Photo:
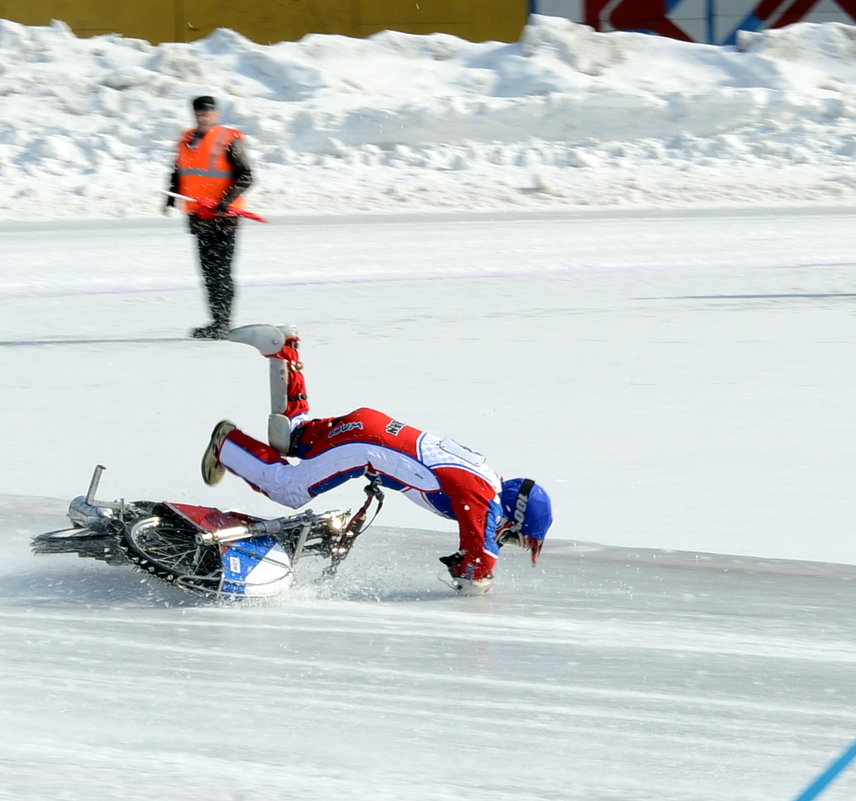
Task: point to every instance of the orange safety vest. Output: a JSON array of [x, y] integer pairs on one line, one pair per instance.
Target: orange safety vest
[[204, 171]]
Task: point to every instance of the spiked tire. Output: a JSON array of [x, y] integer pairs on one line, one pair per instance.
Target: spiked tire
[[165, 547]]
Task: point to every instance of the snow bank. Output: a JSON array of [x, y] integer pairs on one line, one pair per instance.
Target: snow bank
[[565, 117]]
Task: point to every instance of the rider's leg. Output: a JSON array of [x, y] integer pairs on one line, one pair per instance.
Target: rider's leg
[[292, 485], [288, 400], [293, 400]]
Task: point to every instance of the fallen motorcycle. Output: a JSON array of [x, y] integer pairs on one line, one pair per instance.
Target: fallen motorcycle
[[204, 551]]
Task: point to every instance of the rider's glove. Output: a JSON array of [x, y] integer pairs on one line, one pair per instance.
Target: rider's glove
[[461, 573], [461, 565], [223, 207], [453, 563]]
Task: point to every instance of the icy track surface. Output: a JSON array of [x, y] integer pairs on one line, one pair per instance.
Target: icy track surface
[[678, 382], [608, 675]]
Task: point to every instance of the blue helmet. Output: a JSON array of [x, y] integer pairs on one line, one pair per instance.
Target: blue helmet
[[527, 506]]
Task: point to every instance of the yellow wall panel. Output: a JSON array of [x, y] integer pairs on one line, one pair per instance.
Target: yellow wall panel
[[274, 20], [478, 20], [153, 19], [393, 12]]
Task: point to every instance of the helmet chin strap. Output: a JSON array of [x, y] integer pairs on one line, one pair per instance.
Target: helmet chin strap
[[519, 514], [505, 534]]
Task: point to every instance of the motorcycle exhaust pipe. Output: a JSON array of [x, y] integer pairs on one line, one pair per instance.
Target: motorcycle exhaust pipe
[[82, 513], [93, 484], [223, 535]]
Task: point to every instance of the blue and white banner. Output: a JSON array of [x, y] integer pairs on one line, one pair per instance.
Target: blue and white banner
[[708, 21]]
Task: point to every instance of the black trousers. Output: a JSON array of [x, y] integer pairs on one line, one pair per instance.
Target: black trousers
[[216, 244]]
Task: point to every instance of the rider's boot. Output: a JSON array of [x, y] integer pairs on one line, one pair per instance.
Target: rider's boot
[[267, 339], [212, 470], [288, 402]]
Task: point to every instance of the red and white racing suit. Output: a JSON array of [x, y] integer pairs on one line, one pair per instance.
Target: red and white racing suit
[[440, 475]]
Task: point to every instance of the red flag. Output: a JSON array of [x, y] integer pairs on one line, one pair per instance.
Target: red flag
[[206, 209], [244, 213]]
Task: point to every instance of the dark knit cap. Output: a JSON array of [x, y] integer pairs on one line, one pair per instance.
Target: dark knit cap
[[204, 103]]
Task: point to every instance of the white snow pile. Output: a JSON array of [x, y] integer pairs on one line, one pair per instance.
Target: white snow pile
[[565, 117]]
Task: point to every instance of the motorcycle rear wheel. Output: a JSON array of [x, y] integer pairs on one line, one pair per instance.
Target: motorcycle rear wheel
[[165, 547]]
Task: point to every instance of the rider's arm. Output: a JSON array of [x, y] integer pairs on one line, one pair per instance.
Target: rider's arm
[[477, 533]]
